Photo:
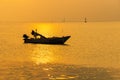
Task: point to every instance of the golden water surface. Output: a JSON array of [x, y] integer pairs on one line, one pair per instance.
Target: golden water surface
[[90, 53]]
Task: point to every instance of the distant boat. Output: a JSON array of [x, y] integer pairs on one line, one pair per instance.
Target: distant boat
[[43, 39], [85, 20]]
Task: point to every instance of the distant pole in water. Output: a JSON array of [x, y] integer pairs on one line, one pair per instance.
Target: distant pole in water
[[85, 20], [64, 19]]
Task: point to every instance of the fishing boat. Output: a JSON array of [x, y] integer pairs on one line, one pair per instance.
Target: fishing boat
[[44, 40]]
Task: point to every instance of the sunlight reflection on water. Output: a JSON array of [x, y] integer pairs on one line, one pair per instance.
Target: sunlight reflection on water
[[42, 56]]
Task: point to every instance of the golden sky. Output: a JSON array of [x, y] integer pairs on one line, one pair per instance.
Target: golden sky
[[56, 10]]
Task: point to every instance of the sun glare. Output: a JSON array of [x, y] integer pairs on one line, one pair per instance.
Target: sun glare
[[45, 28]]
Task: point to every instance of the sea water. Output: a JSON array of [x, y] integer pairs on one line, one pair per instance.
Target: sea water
[[92, 52]]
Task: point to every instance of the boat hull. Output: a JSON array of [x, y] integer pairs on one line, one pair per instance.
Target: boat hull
[[54, 40]]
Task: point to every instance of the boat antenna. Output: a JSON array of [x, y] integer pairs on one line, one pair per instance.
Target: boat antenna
[[85, 20]]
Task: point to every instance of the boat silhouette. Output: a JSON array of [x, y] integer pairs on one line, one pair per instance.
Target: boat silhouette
[[44, 40]]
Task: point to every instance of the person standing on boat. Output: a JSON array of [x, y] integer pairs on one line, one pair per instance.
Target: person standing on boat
[[34, 33]]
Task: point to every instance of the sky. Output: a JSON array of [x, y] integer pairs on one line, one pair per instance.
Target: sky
[[57, 10]]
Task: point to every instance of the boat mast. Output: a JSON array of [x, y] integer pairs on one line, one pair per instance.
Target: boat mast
[[36, 30]]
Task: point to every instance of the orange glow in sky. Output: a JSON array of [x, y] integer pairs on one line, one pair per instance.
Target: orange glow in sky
[[56, 10]]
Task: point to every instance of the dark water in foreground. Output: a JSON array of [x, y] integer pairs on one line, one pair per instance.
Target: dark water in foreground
[[28, 71], [92, 53]]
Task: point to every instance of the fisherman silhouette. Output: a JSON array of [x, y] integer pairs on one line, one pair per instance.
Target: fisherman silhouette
[[25, 36], [35, 34]]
